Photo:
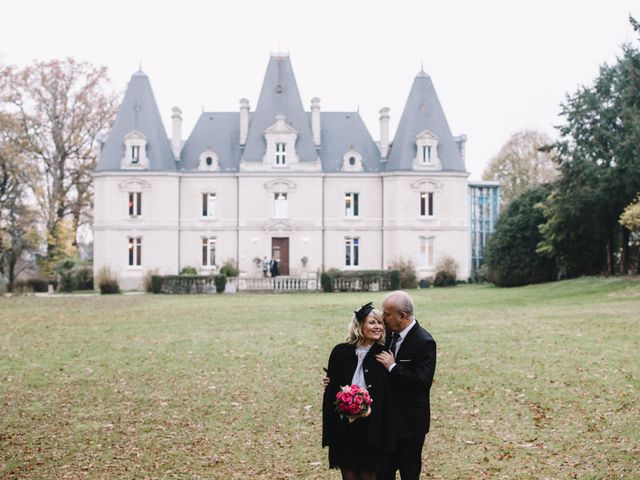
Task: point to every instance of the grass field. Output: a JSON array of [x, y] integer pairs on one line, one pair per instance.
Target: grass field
[[532, 382]]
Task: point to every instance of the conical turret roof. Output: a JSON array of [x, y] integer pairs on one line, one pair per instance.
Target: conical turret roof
[[279, 95], [138, 112], [423, 112]]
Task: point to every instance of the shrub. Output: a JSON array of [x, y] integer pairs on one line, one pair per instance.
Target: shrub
[[107, 282], [83, 278], [221, 283], [39, 285], [67, 282], [155, 284], [148, 280], [394, 278], [326, 281], [424, 283], [408, 276], [228, 268], [444, 279], [21, 287], [189, 271]]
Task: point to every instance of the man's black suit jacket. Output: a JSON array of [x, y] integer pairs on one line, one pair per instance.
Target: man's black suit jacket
[[411, 380]]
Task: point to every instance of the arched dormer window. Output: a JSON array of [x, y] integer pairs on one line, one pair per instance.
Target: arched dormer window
[[135, 151], [352, 161], [208, 161], [281, 144], [427, 151]]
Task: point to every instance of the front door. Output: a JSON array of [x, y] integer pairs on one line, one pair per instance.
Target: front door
[[280, 251]]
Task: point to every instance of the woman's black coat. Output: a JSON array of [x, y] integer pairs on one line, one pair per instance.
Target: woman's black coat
[[342, 365]]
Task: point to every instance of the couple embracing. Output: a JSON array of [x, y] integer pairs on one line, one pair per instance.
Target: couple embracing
[[387, 373]]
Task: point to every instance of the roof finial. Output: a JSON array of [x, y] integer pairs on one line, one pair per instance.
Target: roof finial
[[421, 66], [140, 64]]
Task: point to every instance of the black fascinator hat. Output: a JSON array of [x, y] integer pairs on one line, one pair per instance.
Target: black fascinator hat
[[364, 310]]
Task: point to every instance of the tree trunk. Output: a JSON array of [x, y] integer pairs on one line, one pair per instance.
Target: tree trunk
[[624, 252]]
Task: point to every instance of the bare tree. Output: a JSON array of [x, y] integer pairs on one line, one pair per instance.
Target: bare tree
[[521, 163], [62, 107]]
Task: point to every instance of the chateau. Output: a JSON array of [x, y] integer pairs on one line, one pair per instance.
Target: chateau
[[310, 188]]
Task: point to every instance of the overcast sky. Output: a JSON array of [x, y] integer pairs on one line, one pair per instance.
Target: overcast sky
[[498, 66]]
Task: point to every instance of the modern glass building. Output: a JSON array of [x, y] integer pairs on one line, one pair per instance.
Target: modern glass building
[[485, 208]]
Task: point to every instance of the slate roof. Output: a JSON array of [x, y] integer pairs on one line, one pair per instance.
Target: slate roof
[[279, 95], [423, 112], [219, 131], [342, 131], [138, 111]]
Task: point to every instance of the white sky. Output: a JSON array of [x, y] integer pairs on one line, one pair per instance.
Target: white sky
[[498, 66]]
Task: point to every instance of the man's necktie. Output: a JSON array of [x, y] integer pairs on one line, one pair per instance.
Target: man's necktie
[[395, 336]]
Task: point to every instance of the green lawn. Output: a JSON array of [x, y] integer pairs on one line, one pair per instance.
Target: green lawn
[[532, 382]]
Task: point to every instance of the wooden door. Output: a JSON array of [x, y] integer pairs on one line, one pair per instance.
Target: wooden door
[[280, 251]]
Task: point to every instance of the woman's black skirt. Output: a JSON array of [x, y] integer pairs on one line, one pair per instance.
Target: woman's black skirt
[[351, 451]]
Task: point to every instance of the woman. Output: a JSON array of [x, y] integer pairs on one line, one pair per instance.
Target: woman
[[359, 447]]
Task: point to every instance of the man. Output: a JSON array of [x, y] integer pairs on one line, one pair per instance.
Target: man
[[411, 365]]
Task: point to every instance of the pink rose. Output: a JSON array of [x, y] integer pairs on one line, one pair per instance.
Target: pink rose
[[343, 407], [355, 388], [347, 397], [357, 399], [354, 409], [339, 396], [367, 397]]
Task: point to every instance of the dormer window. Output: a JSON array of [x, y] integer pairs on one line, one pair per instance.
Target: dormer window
[[352, 161], [281, 153], [208, 161], [135, 151], [281, 144], [427, 151], [426, 154]]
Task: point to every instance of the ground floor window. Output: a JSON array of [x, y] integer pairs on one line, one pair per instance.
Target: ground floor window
[[426, 251], [352, 251], [209, 252], [135, 251]]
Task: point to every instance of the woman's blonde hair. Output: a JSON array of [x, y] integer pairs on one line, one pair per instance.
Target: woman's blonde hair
[[355, 336]]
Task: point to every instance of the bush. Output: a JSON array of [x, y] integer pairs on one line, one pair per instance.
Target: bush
[[408, 276], [148, 280], [394, 277], [189, 271], [444, 279], [228, 269], [107, 283], [511, 256], [326, 281], [155, 284], [21, 287], [83, 278], [39, 285], [221, 283], [67, 282], [424, 283]]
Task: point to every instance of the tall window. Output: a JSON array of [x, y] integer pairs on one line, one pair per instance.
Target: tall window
[[280, 209], [281, 153], [209, 252], [135, 204], [351, 204], [426, 251], [135, 251], [426, 204], [426, 154], [208, 204], [135, 153], [352, 251]]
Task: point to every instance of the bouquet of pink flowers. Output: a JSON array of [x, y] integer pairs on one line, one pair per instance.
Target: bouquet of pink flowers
[[354, 402]]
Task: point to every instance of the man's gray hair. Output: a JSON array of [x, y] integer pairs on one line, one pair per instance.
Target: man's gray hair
[[402, 302]]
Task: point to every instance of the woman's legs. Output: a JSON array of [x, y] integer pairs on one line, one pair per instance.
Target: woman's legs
[[355, 475]]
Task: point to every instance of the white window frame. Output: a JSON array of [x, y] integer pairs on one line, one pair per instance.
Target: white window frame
[[352, 251], [134, 203], [427, 204], [352, 204], [135, 154], [208, 207], [134, 252], [427, 251], [281, 153], [280, 205], [209, 244]]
